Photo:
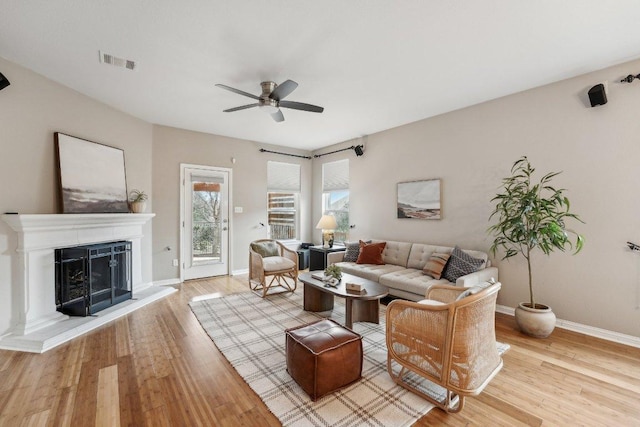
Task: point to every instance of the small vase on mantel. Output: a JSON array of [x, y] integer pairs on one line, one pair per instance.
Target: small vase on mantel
[[138, 207], [137, 201]]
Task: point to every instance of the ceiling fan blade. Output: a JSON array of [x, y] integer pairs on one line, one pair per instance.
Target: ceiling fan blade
[[242, 107], [283, 90], [278, 116], [301, 106], [238, 91]]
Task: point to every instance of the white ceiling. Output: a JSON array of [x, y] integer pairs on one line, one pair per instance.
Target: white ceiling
[[371, 64]]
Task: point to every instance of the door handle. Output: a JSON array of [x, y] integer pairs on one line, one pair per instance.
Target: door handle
[[224, 228]]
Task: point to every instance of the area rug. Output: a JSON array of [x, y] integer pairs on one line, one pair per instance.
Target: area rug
[[249, 332]]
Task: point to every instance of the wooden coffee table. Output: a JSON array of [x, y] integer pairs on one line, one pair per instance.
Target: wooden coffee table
[[360, 306]]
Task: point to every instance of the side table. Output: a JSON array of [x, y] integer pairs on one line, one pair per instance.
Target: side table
[[318, 256]]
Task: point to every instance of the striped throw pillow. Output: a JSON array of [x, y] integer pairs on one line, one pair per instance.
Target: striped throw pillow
[[435, 265]]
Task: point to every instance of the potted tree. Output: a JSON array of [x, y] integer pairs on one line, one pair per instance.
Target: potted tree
[[532, 216], [137, 201]]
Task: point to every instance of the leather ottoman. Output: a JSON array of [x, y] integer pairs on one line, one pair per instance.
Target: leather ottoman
[[323, 356]]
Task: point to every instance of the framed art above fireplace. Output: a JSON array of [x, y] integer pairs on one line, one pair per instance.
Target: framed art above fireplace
[[91, 176]]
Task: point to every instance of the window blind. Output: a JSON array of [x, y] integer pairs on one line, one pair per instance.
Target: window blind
[[283, 177], [335, 176]]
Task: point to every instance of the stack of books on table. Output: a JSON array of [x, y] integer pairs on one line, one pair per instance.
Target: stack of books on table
[[318, 275]]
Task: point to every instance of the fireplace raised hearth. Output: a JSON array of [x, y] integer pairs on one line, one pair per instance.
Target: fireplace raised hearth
[[93, 277]]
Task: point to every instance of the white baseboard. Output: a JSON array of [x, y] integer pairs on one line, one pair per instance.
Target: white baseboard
[[166, 282], [239, 272], [592, 331]]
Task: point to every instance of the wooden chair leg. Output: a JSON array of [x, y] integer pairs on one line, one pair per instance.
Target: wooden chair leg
[[452, 402], [281, 280]]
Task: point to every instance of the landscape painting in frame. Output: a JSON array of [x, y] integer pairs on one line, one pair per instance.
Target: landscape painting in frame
[[91, 176], [419, 199]]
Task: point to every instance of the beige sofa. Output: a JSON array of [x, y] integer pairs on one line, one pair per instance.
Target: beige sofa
[[402, 268]]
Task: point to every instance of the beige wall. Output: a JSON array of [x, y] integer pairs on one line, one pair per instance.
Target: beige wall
[[171, 147], [32, 108], [472, 149]]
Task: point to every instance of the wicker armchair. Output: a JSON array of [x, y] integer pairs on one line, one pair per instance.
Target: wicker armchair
[[447, 339], [273, 268]]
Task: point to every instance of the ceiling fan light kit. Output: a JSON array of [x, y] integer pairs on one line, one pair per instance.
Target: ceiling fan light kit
[[271, 99]]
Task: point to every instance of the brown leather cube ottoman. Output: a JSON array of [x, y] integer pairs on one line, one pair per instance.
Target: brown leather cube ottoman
[[323, 356]]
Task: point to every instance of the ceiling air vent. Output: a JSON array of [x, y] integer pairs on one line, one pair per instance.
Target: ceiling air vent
[[106, 58]]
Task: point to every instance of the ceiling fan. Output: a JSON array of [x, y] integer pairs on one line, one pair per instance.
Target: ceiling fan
[[272, 98]]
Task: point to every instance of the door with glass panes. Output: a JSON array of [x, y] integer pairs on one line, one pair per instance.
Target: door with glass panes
[[205, 222]]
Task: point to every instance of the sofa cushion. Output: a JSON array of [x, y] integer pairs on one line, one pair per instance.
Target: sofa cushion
[[352, 252], [368, 271], [266, 249], [435, 265], [461, 264], [420, 254], [396, 253], [371, 253], [410, 280]]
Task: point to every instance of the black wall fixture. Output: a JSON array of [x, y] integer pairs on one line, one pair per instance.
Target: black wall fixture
[[597, 95], [4, 82]]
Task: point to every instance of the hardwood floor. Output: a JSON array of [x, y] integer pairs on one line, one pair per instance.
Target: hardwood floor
[[157, 367]]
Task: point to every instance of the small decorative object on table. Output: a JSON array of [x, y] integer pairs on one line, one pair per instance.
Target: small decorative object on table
[[137, 201], [354, 287], [333, 271]]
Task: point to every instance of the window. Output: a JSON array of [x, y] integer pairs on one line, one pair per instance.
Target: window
[[335, 195], [283, 187]]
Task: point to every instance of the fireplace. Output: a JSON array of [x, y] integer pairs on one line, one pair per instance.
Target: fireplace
[[39, 326], [93, 277]]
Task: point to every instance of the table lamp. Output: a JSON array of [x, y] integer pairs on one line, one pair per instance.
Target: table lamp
[[327, 224]]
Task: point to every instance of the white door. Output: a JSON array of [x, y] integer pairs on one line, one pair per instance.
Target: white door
[[205, 221]]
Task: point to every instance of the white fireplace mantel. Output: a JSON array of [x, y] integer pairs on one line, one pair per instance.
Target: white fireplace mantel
[[33, 281], [56, 231]]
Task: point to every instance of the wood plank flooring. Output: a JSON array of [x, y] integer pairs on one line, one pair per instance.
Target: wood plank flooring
[[157, 367]]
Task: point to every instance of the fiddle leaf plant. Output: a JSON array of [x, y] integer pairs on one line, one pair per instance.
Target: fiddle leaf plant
[[531, 215]]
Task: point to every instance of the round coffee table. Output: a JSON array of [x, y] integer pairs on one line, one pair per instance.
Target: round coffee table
[[360, 306]]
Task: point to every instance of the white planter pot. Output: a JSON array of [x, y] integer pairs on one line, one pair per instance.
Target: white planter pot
[[138, 207], [536, 322]]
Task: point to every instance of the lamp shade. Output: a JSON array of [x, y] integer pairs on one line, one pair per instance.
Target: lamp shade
[[327, 222]]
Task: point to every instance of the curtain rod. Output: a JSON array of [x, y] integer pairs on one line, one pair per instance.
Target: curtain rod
[[262, 150], [359, 149], [337, 151]]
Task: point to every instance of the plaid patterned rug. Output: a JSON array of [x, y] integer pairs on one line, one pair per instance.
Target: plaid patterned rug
[[249, 331]]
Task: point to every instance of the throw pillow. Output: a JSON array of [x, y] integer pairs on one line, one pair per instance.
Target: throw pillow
[[353, 250], [266, 249], [470, 291], [435, 265], [460, 264], [371, 253]]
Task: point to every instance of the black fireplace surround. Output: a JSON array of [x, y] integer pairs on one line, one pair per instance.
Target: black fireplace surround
[[92, 278]]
